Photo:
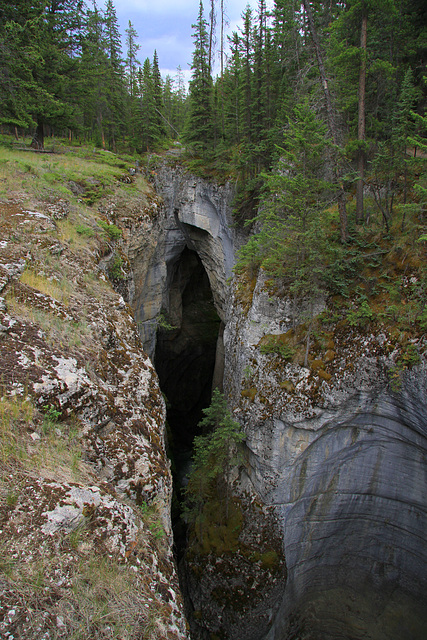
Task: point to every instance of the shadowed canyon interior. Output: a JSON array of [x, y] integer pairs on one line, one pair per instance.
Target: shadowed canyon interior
[[186, 350], [345, 482]]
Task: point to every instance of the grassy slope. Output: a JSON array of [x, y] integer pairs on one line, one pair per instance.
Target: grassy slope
[[56, 223]]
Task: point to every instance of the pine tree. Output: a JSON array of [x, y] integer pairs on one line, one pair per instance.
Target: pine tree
[[232, 92], [173, 100], [332, 118]]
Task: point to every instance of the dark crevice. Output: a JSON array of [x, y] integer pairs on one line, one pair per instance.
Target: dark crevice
[[185, 358]]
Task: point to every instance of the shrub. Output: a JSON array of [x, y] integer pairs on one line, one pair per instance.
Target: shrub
[[358, 317], [273, 344], [115, 269], [113, 232], [85, 231]]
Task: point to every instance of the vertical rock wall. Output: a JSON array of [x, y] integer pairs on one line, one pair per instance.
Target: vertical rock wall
[[194, 214], [341, 456], [337, 452]]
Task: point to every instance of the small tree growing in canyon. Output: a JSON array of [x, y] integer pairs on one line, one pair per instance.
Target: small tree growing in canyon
[[214, 456]]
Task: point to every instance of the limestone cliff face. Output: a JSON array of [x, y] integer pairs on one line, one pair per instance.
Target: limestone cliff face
[[341, 454], [334, 457], [335, 442], [194, 214]]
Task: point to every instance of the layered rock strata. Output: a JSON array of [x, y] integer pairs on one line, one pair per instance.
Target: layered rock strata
[[335, 443], [194, 215]]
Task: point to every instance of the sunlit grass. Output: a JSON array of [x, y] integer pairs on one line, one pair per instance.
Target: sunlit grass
[[60, 290]]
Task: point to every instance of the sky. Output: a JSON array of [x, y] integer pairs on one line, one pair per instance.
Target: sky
[[165, 26]]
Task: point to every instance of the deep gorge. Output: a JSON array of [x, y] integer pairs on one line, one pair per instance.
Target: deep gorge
[[325, 534], [324, 470], [186, 348], [185, 357]]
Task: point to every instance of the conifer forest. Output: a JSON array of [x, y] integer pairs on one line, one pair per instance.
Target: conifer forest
[[213, 323], [314, 111]]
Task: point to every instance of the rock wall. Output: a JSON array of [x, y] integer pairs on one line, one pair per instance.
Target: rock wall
[[193, 214], [85, 487], [335, 449], [341, 456]]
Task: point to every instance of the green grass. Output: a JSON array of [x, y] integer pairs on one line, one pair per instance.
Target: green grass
[[91, 172]]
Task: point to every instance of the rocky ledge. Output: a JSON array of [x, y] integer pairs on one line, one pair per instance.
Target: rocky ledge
[[336, 445], [85, 484]]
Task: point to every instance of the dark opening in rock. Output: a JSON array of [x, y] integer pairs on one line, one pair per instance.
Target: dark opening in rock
[[186, 350]]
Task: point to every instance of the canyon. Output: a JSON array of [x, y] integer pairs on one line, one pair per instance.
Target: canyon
[[336, 451], [332, 480]]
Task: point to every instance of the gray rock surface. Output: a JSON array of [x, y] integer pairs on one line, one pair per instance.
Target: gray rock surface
[[337, 452], [194, 214], [343, 459]]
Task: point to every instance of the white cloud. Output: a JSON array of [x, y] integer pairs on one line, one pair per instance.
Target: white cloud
[[165, 26]]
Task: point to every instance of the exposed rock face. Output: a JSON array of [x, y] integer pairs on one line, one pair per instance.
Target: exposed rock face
[[333, 450], [86, 486], [195, 215], [331, 446], [186, 349], [342, 457]]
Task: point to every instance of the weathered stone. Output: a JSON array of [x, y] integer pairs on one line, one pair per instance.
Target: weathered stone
[[195, 214], [79, 364], [344, 463]]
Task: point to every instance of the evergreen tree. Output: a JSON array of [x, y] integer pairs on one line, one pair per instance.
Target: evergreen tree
[[148, 132], [199, 131], [35, 66], [232, 92], [214, 457], [93, 76], [332, 118], [132, 64], [158, 98], [291, 244], [115, 80], [173, 99], [180, 100], [246, 80]]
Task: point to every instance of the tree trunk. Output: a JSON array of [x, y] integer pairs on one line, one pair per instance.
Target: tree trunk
[[332, 121], [38, 138], [222, 70], [211, 34], [361, 119]]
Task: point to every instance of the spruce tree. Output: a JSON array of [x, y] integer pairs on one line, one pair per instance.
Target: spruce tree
[[291, 244], [93, 77], [132, 64], [199, 131], [115, 75], [36, 68], [149, 134], [215, 455], [158, 98]]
